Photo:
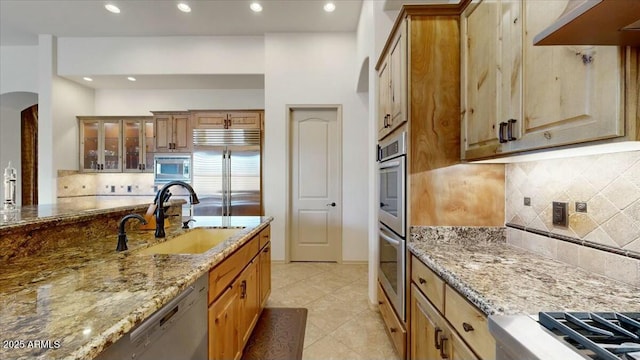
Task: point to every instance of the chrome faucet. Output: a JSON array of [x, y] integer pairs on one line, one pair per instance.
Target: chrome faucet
[[122, 236], [162, 193]]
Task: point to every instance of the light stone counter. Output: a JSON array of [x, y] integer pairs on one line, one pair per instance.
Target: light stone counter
[[84, 296], [501, 279]]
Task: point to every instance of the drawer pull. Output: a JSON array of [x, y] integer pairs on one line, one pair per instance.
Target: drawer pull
[[436, 338], [442, 354], [422, 281], [393, 329], [467, 327], [380, 302]]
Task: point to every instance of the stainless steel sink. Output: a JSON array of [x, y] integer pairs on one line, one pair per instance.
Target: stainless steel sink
[[196, 241]]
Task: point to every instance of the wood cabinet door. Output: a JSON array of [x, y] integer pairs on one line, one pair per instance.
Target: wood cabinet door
[[182, 137], [244, 120], [572, 94], [210, 120], [480, 62], [458, 349], [397, 82], [163, 129], [384, 111], [249, 302], [427, 328], [223, 326], [265, 273]]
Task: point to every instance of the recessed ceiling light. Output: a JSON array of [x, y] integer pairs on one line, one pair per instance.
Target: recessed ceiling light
[[131, 78], [86, 78], [112, 8], [329, 7], [256, 7], [184, 7]]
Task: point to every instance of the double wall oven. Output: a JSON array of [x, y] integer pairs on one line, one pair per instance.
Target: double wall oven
[[392, 224]]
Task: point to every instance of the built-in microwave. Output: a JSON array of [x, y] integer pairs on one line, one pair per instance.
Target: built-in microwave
[[170, 167]]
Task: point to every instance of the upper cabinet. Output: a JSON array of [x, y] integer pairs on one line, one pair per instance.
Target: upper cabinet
[[116, 144], [518, 97], [172, 131], [392, 85], [138, 145], [227, 119]]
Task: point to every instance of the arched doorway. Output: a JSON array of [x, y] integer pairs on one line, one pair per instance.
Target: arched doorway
[[14, 107]]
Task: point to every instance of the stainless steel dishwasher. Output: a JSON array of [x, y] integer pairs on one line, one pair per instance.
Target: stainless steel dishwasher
[[177, 331]]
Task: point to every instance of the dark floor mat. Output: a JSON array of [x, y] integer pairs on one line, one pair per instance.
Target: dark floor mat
[[278, 335]]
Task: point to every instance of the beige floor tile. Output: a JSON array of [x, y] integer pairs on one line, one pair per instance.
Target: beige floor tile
[[329, 348], [340, 324]]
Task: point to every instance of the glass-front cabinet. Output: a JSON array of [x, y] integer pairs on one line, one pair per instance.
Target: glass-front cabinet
[[139, 145], [116, 144]]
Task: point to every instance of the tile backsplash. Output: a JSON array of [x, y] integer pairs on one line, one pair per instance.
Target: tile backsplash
[[610, 186], [73, 183]]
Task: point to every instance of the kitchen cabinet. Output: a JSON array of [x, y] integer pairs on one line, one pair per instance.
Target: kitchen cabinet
[[265, 265], [138, 145], [394, 326], [172, 131], [116, 143], [392, 95], [518, 97], [443, 324], [235, 298], [431, 336], [227, 119]]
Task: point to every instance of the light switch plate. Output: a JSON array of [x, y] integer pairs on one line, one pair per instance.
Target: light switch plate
[[560, 216]]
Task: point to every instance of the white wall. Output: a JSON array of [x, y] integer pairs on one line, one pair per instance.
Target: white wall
[[315, 69], [161, 55], [18, 69], [140, 102], [69, 100]]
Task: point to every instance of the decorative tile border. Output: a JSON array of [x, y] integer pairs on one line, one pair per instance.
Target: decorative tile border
[[586, 243]]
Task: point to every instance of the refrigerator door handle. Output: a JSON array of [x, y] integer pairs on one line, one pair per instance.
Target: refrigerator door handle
[[224, 182], [229, 182]]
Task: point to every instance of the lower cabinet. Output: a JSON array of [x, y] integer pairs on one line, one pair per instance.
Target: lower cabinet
[[431, 336], [237, 298], [454, 329], [395, 327]]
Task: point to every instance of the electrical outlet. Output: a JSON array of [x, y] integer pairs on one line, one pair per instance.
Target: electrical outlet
[[560, 217]]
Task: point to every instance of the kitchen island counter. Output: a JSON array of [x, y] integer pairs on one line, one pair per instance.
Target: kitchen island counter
[[74, 302], [501, 279]]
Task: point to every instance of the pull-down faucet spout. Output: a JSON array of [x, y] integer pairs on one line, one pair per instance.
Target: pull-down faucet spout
[[160, 206]]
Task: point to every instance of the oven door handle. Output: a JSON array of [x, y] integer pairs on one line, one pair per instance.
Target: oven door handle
[[389, 239], [389, 164]]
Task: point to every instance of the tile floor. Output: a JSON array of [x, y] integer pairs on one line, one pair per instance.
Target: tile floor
[[340, 323]]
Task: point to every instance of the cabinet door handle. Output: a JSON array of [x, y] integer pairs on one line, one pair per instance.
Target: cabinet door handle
[[467, 327], [380, 302], [144, 166], [442, 353], [392, 329], [501, 129], [266, 250], [243, 289], [510, 136], [436, 338], [422, 281]]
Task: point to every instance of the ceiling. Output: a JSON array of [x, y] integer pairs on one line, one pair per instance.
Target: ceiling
[[22, 20]]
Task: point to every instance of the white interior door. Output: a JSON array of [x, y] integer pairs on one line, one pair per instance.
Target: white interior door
[[316, 225]]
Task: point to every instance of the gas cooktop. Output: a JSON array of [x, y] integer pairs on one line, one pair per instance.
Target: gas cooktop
[[568, 336]]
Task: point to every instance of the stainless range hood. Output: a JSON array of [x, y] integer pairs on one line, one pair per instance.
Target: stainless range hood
[[595, 22]]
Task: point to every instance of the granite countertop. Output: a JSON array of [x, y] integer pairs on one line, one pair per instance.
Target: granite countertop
[[504, 280], [74, 209], [87, 296]]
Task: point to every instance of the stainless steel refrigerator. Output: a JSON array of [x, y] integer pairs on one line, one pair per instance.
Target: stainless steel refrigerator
[[227, 172]]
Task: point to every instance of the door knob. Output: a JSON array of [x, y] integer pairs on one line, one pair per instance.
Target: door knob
[[333, 204]]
